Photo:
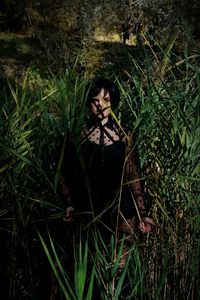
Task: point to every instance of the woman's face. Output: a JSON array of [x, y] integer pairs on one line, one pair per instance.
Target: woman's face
[[101, 104]]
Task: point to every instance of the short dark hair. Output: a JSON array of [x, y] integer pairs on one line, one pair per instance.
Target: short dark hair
[[94, 87]]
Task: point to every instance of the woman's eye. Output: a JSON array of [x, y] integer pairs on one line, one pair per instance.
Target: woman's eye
[[95, 101], [107, 99]]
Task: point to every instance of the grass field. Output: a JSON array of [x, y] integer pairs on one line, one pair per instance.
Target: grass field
[[160, 102]]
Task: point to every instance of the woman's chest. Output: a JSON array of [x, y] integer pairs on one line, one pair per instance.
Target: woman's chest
[[98, 156]]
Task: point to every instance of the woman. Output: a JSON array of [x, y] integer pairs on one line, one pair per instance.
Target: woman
[[99, 174]]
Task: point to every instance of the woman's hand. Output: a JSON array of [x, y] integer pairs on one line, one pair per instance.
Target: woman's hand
[[68, 214], [145, 225]]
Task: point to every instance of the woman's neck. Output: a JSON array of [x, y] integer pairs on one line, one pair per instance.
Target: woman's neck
[[104, 121], [97, 122]]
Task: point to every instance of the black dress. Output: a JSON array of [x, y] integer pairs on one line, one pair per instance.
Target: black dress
[[95, 173], [104, 173]]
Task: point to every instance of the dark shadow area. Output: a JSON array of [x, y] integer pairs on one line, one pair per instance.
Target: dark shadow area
[[17, 53], [117, 57]]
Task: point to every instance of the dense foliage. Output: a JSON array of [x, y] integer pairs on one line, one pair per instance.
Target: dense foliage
[[61, 45]]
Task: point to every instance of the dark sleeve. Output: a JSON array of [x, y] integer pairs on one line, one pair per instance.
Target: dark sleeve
[[66, 167], [134, 176]]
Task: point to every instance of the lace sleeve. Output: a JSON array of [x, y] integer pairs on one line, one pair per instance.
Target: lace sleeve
[[132, 176], [66, 161], [65, 191]]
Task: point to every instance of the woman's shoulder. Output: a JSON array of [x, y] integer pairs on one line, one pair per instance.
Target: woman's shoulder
[[85, 132]]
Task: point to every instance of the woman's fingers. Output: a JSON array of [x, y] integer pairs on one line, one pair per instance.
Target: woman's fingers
[[144, 226], [68, 216]]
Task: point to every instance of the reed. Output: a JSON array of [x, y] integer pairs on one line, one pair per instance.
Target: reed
[[162, 107]]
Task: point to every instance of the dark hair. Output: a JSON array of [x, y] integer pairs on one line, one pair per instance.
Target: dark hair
[[94, 88]]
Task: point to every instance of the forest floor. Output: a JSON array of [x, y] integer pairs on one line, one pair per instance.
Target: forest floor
[[104, 54]]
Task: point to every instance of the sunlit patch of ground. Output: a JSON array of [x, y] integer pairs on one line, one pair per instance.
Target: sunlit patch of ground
[[114, 37]]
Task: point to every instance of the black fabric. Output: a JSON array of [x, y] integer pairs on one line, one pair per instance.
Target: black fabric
[[94, 173], [104, 174]]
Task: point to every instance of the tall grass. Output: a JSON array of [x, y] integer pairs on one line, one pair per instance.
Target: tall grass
[[161, 104], [33, 127], [166, 120], [72, 289]]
